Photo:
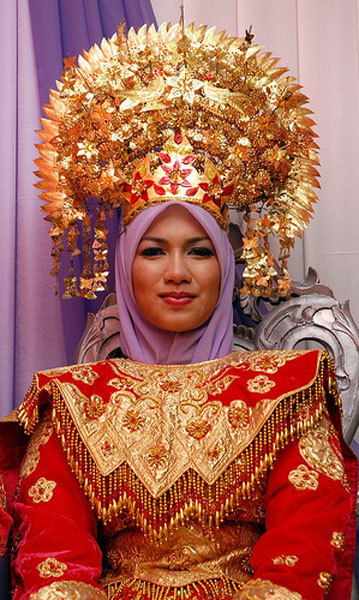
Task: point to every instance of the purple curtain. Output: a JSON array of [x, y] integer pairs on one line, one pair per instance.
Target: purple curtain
[[39, 330]]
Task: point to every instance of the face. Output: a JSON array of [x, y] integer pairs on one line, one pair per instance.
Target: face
[[175, 273]]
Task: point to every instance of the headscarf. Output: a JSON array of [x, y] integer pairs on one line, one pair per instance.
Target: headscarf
[[143, 342]]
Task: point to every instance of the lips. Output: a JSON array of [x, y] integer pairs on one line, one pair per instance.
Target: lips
[[177, 298]]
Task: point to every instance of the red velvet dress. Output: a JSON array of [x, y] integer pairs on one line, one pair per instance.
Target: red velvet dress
[[220, 480]]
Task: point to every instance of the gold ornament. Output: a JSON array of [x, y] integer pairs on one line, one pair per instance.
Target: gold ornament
[[180, 113]]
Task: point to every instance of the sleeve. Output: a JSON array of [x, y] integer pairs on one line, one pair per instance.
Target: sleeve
[[308, 506], [5, 520], [56, 554]]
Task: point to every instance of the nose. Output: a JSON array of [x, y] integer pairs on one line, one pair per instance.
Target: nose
[[177, 270]]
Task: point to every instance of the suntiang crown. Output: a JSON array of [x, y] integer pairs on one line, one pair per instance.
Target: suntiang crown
[[179, 113]]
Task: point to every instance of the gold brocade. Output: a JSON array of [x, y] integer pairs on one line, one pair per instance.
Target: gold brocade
[[191, 553], [68, 590], [40, 437], [320, 454], [266, 590]]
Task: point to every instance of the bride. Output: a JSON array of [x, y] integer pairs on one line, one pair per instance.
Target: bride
[[183, 469]]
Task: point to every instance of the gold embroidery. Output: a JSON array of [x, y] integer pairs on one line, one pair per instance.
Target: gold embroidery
[[239, 415], [210, 589], [338, 540], [39, 438], [85, 374], [42, 490], [51, 567], [324, 580], [68, 590], [260, 384], [93, 407], [259, 589], [134, 420], [269, 361], [198, 428], [320, 454], [284, 559], [157, 456], [304, 479]]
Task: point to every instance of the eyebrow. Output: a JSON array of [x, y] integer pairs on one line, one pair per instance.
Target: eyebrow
[[164, 241]]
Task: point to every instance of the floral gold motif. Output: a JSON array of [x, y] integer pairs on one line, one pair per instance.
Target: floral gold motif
[[338, 540], [51, 567], [215, 453], [157, 456], [68, 590], [93, 407], [42, 490], [106, 448], [269, 362], [134, 420], [198, 428], [239, 417], [284, 559], [260, 384], [303, 478], [84, 373]]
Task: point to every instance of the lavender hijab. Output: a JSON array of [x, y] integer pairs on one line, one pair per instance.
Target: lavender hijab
[[143, 342]]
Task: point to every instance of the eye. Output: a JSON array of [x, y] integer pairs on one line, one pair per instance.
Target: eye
[[152, 251], [202, 251]]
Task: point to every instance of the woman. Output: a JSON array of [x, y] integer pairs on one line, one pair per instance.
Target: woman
[[182, 470]]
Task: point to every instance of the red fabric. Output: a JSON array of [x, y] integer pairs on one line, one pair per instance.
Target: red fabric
[[301, 523], [63, 528]]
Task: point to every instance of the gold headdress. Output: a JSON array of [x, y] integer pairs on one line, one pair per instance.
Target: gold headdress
[[179, 113]]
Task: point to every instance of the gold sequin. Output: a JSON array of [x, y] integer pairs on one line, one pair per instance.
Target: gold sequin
[[51, 567], [42, 490], [303, 478]]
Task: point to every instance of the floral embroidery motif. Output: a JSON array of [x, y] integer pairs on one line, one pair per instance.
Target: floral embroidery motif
[[157, 456], [215, 453], [106, 449], [42, 490], [320, 452], [303, 478], [338, 540], [51, 567], [270, 362], [85, 374], [134, 420], [93, 407], [239, 417], [39, 438], [74, 590], [198, 428], [260, 384], [324, 580], [285, 559]]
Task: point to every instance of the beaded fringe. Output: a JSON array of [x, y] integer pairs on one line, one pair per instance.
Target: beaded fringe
[[190, 496], [136, 589]]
